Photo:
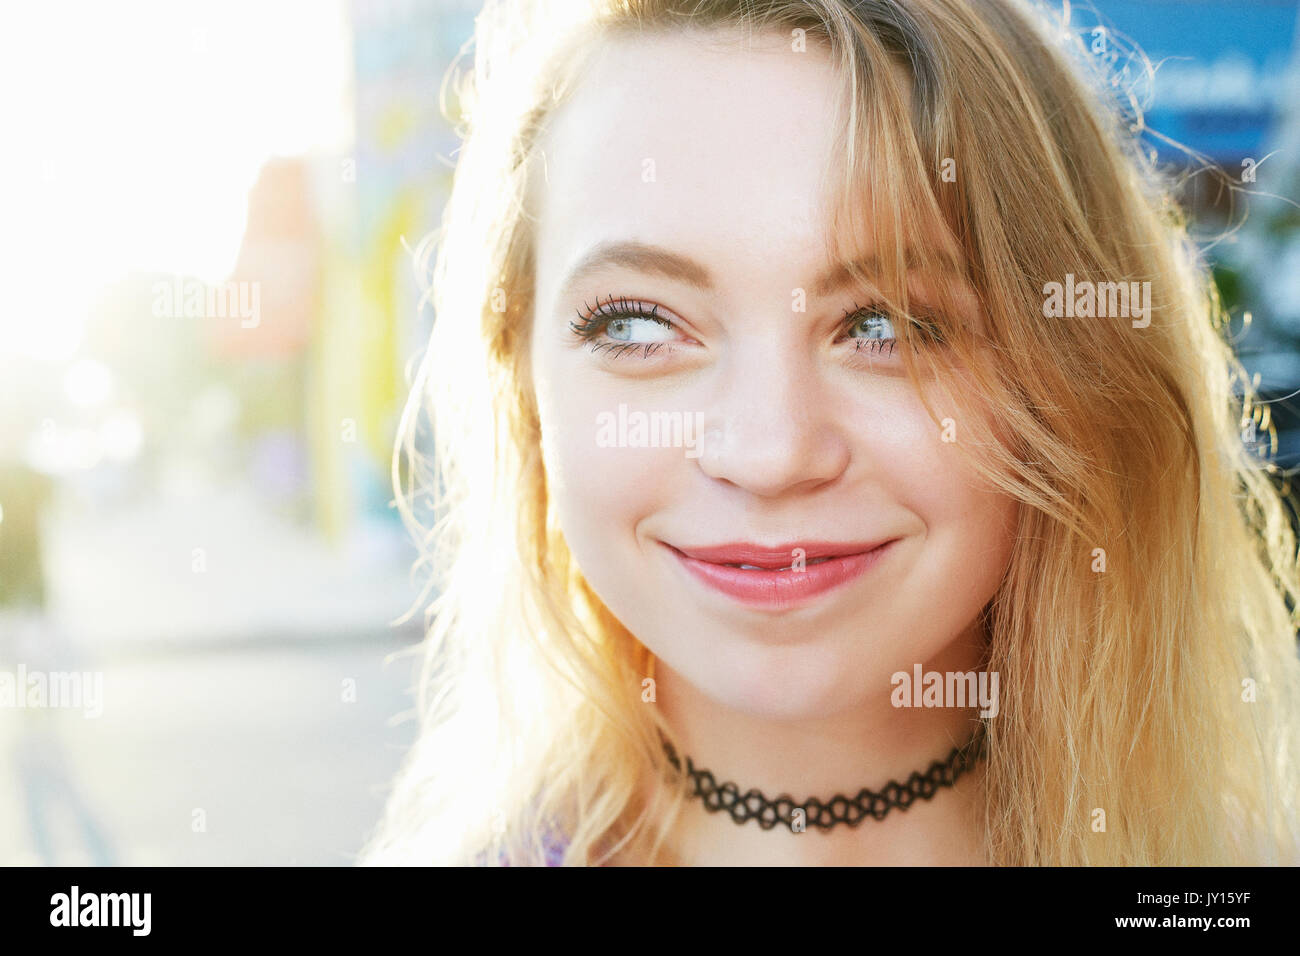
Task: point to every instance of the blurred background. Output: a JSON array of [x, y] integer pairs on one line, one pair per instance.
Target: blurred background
[[207, 211]]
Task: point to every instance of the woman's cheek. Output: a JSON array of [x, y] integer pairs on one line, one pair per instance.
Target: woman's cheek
[[896, 446], [971, 523], [599, 486]]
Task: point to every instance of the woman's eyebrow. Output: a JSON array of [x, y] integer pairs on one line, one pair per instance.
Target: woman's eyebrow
[[869, 266], [657, 260], [642, 257]]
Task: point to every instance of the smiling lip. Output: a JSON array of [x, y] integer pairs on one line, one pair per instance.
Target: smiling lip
[[768, 579]]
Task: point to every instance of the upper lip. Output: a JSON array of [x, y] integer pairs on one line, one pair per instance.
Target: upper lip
[[776, 557]]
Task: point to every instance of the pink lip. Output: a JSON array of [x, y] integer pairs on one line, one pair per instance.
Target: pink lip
[[770, 587]]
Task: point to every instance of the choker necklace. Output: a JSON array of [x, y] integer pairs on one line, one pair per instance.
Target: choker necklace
[[850, 811]]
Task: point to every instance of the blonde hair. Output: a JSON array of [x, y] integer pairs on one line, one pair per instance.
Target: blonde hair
[[1142, 630]]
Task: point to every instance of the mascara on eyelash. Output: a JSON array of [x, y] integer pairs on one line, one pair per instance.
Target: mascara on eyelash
[[876, 345], [925, 324], [595, 321], [626, 309], [616, 349]]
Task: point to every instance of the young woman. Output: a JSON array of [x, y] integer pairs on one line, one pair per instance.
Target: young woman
[[837, 461]]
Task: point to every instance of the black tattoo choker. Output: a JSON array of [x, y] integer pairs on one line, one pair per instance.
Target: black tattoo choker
[[850, 811]]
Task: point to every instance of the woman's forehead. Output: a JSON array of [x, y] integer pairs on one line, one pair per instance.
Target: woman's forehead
[[718, 142], [695, 124]]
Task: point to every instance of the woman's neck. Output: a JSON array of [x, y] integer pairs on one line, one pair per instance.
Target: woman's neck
[[838, 754]]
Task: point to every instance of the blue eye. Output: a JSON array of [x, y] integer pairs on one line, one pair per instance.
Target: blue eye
[[622, 326], [871, 330], [871, 324], [639, 329]]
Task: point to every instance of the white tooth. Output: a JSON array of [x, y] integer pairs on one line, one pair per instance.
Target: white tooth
[[750, 567]]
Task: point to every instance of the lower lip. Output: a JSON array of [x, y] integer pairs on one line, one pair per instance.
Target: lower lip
[[783, 590]]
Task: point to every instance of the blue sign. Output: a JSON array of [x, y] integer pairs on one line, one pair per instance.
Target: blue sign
[[1220, 67]]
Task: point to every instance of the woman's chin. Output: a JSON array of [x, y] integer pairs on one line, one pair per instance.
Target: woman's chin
[[782, 683]]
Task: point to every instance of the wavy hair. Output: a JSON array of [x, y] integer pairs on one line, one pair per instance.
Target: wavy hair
[[1144, 630]]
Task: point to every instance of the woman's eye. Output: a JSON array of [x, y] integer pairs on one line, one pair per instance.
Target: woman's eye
[[871, 329], [639, 329], [623, 326]]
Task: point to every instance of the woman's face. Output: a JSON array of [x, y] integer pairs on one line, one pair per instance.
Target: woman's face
[[736, 416]]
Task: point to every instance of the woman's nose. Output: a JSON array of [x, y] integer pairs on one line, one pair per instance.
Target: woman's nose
[[773, 427]]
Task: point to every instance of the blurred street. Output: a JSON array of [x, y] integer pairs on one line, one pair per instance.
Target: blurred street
[[256, 744]]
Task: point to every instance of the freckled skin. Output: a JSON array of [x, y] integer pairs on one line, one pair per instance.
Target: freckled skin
[[807, 438]]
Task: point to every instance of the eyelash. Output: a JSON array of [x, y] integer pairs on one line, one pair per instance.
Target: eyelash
[[591, 325], [594, 322]]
